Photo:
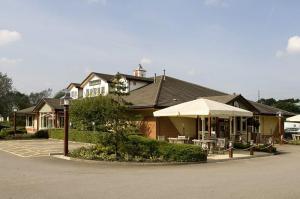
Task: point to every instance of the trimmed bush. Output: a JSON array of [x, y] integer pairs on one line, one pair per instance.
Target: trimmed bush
[[77, 136], [137, 148], [241, 146], [182, 153], [265, 148], [41, 134]]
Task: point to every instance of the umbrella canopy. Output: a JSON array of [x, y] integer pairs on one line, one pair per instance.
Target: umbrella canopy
[[295, 118], [202, 107]]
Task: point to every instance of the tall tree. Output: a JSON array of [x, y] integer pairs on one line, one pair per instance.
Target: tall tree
[[5, 85], [118, 86], [36, 97], [59, 94], [5, 89]]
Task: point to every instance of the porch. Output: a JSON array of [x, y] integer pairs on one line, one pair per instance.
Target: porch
[[206, 122]]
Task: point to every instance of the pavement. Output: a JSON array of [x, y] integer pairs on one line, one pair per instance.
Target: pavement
[[44, 177], [36, 147]]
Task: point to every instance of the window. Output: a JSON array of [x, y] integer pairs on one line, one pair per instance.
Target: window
[[236, 104], [29, 121], [95, 82], [87, 92], [102, 90]]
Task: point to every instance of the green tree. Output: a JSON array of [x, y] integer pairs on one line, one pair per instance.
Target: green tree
[[5, 89], [105, 114], [5, 85], [269, 102], [36, 97], [59, 94], [118, 86]]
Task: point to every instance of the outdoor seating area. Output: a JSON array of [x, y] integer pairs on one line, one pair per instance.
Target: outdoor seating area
[[210, 133]]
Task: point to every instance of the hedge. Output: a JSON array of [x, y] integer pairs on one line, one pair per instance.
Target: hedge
[[260, 148], [139, 148], [77, 136]]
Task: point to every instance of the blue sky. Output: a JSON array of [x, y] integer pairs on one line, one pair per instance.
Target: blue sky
[[237, 46]]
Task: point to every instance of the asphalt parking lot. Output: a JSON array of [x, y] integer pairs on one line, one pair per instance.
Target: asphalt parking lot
[[35, 148], [272, 177]]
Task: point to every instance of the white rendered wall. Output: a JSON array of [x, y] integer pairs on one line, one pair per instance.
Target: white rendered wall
[[103, 83]]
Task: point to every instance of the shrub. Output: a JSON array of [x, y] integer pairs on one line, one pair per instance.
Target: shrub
[[182, 153], [97, 152], [78, 136], [241, 146], [266, 148], [138, 148], [3, 134], [41, 134]]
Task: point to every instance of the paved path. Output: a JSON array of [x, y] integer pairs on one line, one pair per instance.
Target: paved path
[[35, 148], [274, 177]]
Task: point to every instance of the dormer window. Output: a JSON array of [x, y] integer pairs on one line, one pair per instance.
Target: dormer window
[[236, 104], [95, 82]]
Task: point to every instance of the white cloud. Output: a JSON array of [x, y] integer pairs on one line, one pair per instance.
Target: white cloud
[[215, 2], [293, 45], [292, 48], [8, 62], [7, 37], [145, 60]]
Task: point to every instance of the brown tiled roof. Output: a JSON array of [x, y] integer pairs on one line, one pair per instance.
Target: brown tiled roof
[[270, 110], [167, 92], [222, 98], [77, 85], [26, 110], [53, 103]]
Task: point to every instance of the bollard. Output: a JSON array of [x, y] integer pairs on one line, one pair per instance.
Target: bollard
[[230, 149], [251, 147], [251, 151]]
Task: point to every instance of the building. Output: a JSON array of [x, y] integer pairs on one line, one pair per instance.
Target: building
[[147, 95], [48, 113]]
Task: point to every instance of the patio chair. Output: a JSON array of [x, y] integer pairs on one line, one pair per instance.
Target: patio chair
[[221, 144], [161, 138]]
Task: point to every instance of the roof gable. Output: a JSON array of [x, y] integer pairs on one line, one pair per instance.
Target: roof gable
[[230, 99], [53, 103], [167, 91]]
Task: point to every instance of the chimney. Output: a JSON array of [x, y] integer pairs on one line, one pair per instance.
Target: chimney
[[139, 71], [164, 74]]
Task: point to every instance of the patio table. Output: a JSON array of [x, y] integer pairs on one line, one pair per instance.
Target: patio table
[[296, 136], [178, 140], [210, 143]]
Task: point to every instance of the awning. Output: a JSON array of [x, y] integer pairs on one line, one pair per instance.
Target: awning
[[295, 118], [202, 107]]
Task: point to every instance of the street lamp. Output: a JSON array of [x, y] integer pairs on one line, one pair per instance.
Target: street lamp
[[279, 114], [15, 109], [65, 101]]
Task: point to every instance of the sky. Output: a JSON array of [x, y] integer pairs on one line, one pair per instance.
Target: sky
[[235, 46]]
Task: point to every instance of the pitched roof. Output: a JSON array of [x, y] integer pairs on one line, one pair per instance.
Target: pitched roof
[[53, 103], [222, 98], [270, 110], [26, 110], [109, 78], [168, 91], [77, 85]]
